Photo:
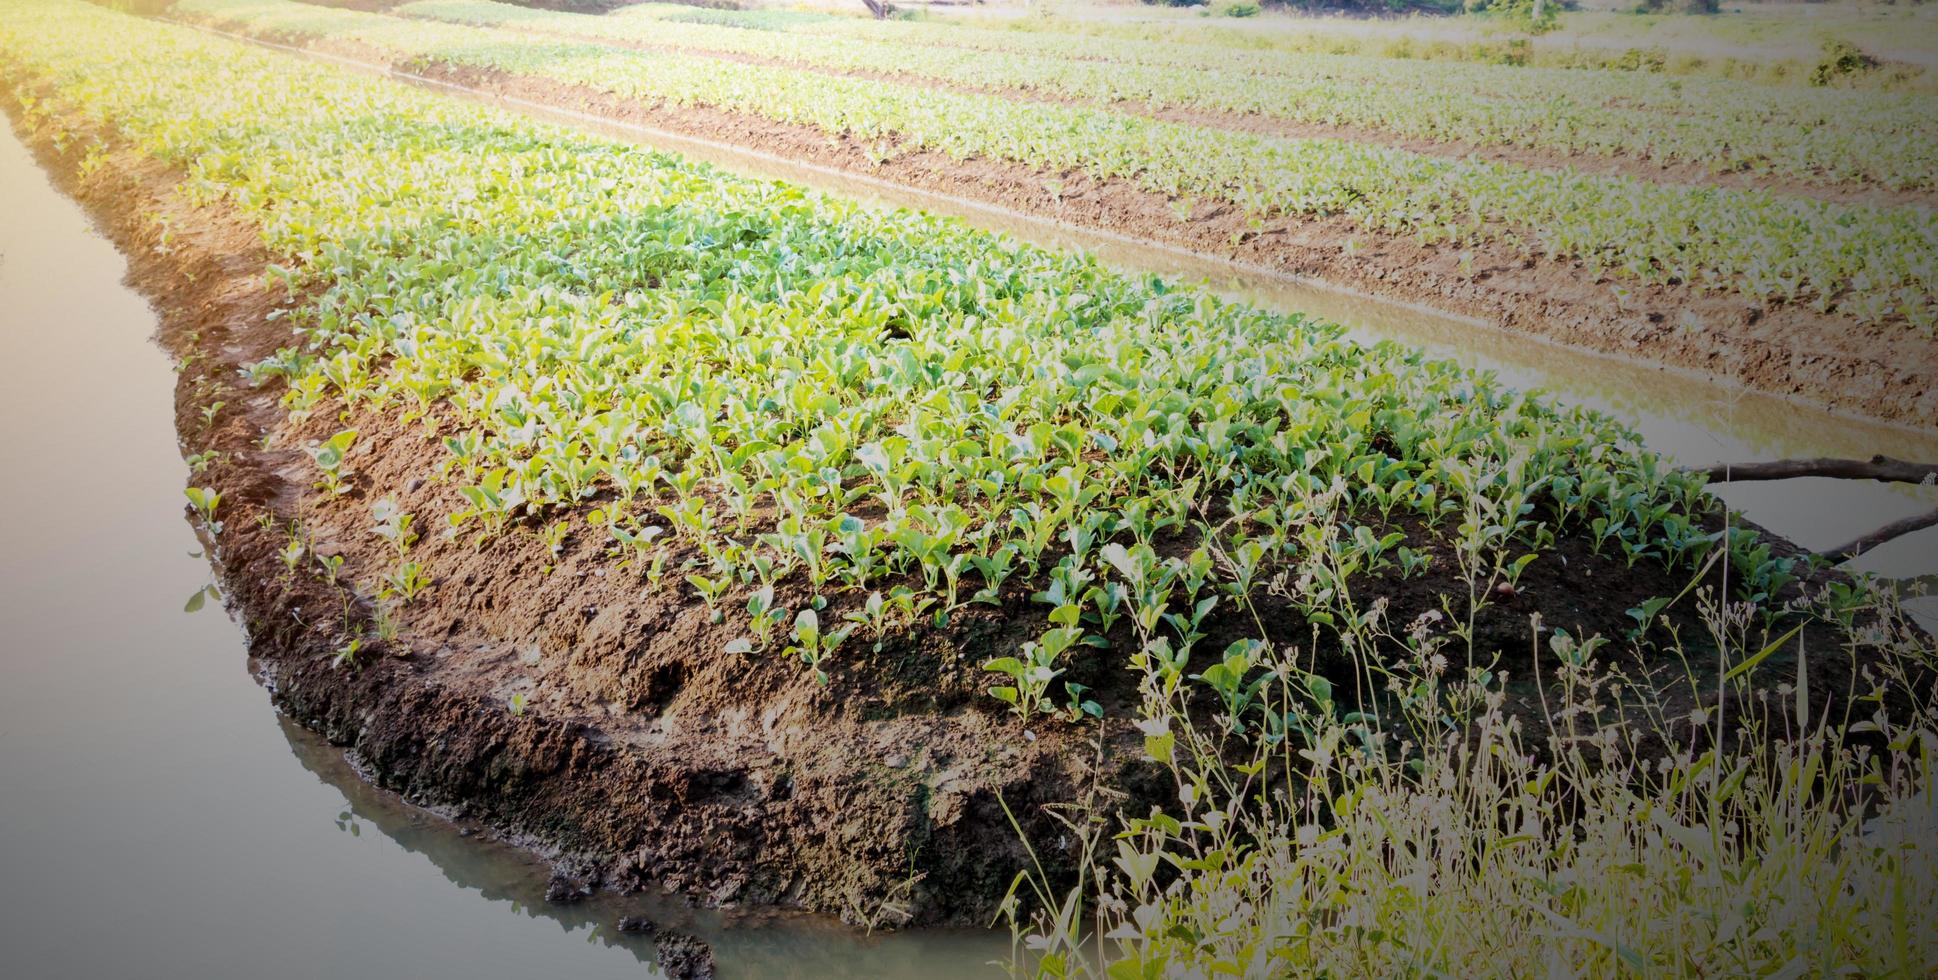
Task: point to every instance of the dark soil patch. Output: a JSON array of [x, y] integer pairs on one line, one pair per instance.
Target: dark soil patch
[[682, 957]]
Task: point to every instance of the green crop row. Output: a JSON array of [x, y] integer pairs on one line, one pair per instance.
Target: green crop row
[[1885, 139], [1612, 42], [1873, 263], [744, 386], [1123, 44]]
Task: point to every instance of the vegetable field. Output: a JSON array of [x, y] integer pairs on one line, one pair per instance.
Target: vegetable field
[[1872, 263], [1811, 134], [1704, 223], [863, 539]]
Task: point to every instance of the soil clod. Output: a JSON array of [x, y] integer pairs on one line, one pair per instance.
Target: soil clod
[[563, 890], [682, 957]]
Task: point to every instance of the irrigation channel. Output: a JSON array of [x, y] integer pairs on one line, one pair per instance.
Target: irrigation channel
[[153, 821], [157, 818]]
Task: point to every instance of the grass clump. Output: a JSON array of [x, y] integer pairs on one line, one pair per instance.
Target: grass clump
[[1777, 836]]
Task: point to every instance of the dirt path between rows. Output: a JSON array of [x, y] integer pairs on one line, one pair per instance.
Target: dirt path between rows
[[1678, 173]]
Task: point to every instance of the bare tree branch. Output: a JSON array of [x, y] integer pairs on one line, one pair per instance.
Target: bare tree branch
[[1881, 468], [1895, 529]]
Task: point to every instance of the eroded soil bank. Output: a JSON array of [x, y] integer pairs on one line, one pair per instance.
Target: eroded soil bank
[[639, 752], [564, 701], [1882, 371]]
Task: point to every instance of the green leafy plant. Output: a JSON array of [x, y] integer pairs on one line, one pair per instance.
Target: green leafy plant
[[812, 645], [329, 456], [392, 524], [205, 500], [1031, 672], [409, 581]]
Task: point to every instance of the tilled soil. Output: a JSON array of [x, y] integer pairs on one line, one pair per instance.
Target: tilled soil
[[580, 709]]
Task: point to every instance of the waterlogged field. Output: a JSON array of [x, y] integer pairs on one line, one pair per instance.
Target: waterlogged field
[[1399, 670], [1870, 264]]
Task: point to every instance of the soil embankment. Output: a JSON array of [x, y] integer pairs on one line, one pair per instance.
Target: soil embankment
[[555, 698]]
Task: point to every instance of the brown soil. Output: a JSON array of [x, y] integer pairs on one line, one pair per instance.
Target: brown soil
[[1657, 171], [581, 710]]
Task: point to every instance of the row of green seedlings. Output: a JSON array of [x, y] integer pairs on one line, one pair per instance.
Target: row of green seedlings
[[1144, 593], [1729, 127], [404, 584], [1043, 519], [1304, 549]]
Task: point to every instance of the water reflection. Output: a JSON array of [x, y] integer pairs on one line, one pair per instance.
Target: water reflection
[[756, 944]]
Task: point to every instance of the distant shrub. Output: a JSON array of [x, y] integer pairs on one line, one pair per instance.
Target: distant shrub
[[1640, 59], [1532, 16], [1841, 59], [1242, 10], [1514, 51]]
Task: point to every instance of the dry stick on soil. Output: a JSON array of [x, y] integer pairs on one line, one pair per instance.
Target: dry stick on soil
[[1882, 468], [1895, 529]]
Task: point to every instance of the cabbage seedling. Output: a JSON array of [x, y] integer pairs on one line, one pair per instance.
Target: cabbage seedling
[[205, 500], [409, 581], [1030, 673], [710, 590], [763, 615], [393, 525], [329, 456], [814, 646]]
